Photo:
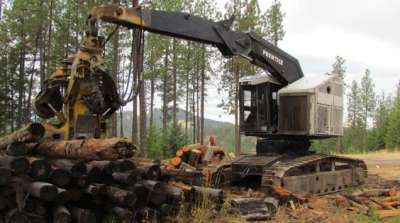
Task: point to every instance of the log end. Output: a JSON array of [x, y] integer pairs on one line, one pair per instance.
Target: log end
[[5, 175], [16, 149], [124, 165], [60, 177], [79, 169], [37, 130], [15, 216], [129, 200], [48, 192], [83, 215], [20, 165], [40, 170]]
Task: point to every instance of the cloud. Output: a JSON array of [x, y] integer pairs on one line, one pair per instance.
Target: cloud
[[372, 18]]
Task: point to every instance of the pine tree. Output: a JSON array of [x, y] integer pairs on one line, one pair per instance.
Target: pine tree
[[338, 67], [274, 23], [368, 104], [368, 97], [381, 118], [392, 137], [1, 9], [354, 105]]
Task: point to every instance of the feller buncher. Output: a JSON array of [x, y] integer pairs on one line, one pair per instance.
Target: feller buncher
[[284, 109]]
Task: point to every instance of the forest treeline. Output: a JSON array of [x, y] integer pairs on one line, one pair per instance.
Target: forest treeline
[[36, 35], [373, 118]]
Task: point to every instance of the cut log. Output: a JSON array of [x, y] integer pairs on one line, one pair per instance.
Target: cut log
[[82, 215], [187, 176], [89, 149], [395, 203], [392, 198], [40, 169], [388, 213], [93, 173], [176, 161], [157, 195], [33, 218], [16, 216], [142, 195], [188, 148], [75, 168], [175, 195], [124, 165], [189, 191], [129, 179], [42, 190], [109, 167], [284, 195], [100, 171], [149, 171], [3, 203], [63, 196], [93, 189], [179, 153], [35, 206], [5, 175], [30, 133], [120, 197], [59, 177], [186, 167], [75, 194], [61, 215], [16, 149], [373, 193], [382, 205], [80, 182], [18, 164], [121, 215], [257, 217]]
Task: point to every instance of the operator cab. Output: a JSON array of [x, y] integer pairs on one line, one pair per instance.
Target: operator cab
[[309, 108], [258, 105]]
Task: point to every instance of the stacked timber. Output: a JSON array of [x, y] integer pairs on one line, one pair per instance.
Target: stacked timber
[[85, 181], [196, 156]]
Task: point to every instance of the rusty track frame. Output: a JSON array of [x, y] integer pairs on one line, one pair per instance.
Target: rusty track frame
[[351, 172]]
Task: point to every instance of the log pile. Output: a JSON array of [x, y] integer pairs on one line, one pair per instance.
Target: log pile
[[196, 156], [86, 181]]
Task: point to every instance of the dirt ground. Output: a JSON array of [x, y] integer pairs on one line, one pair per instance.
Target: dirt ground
[[384, 164]]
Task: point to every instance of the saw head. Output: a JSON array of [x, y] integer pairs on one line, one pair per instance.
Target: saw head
[[48, 102], [80, 96]]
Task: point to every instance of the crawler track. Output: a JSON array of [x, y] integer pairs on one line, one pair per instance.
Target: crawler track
[[316, 174]]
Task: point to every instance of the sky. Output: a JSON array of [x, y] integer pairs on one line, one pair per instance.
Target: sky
[[364, 32]]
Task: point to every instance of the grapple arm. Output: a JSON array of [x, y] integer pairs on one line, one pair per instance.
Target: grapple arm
[[219, 34]]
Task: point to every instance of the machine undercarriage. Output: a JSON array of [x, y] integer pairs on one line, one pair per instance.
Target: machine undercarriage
[[313, 173]]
